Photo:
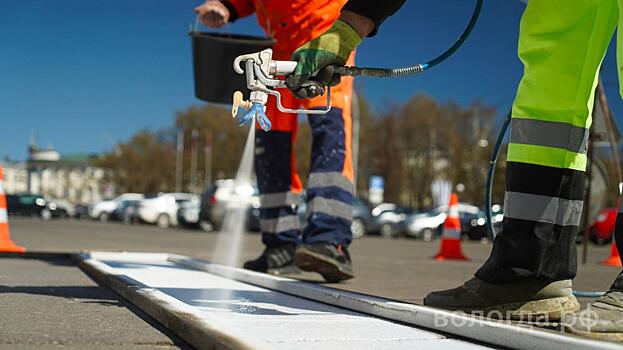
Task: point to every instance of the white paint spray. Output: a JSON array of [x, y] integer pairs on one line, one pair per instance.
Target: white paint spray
[[227, 249]]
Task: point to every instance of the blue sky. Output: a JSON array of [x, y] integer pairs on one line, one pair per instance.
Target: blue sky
[[85, 74]]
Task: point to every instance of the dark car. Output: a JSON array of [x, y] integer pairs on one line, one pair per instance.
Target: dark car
[[126, 212], [29, 205], [213, 207], [388, 219], [362, 219], [474, 226], [81, 211]]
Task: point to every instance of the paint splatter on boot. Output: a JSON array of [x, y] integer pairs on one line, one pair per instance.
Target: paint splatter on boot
[[533, 300], [602, 319]]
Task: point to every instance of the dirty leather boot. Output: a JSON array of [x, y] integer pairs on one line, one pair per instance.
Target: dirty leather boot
[[533, 300], [331, 261], [276, 261], [602, 319]]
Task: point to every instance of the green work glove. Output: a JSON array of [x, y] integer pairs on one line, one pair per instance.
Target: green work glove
[[318, 59]]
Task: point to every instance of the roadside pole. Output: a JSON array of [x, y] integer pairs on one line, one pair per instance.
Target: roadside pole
[[179, 156]]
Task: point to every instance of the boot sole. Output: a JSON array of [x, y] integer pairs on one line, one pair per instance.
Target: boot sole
[[616, 337], [331, 271], [288, 270], [537, 311]]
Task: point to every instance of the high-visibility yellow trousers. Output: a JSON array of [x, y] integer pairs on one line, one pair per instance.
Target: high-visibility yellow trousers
[[561, 44]]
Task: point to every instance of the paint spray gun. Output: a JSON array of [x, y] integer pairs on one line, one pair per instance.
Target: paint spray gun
[[263, 78]]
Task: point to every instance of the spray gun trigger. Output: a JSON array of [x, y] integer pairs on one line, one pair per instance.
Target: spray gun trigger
[[238, 101]]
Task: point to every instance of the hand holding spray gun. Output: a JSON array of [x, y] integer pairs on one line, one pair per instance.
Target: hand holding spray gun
[[314, 67], [319, 64]]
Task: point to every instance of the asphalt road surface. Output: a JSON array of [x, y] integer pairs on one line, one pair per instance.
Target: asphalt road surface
[[55, 304]]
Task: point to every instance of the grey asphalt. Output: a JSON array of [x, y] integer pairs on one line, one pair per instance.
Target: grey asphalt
[[49, 303], [57, 305]]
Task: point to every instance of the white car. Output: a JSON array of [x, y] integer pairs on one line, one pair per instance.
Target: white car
[[227, 191], [162, 209], [102, 209], [425, 225]]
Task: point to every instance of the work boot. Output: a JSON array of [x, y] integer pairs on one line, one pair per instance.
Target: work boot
[[533, 300], [276, 261], [331, 261], [602, 319]]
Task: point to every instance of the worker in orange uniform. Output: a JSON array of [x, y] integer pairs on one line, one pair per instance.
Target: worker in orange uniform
[[322, 246]]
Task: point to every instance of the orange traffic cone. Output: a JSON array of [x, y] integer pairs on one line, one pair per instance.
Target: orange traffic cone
[[451, 237], [6, 245], [614, 259]]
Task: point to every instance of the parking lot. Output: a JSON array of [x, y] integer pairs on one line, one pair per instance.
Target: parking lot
[[395, 268]]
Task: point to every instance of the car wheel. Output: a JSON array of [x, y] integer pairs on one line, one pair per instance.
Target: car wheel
[[358, 228], [103, 217], [206, 226], [46, 214], [600, 241], [163, 221], [428, 235], [387, 230]]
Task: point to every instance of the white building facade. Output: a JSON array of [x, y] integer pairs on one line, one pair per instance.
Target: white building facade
[[46, 173]]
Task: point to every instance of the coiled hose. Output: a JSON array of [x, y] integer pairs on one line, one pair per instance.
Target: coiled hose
[[418, 68]]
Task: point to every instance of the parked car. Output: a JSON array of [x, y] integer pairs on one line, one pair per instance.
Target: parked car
[[61, 208], [188, 213], [428, 225], [474, 226], [162, 209], [600, 232], [425, 225], [81, 211], [29, 205], [126, 211], [388, 218], [362, 219], [102, 210], [215, 199]]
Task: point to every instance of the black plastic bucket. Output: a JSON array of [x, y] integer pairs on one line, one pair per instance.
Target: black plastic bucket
[[213, 59]]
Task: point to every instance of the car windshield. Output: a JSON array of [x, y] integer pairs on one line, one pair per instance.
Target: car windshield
[[434, 212], [27, 199]]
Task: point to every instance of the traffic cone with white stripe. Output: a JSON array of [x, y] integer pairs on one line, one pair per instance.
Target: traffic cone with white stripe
[[6, 245], [451, 237]]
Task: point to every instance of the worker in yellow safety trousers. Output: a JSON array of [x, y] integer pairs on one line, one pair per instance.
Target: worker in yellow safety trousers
[[322, 246], [528, 274]]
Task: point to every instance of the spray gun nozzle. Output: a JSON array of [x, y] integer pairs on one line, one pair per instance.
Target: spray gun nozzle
[[256, 112]]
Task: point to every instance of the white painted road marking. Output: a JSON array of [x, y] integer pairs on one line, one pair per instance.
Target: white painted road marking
[[279, 320]]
